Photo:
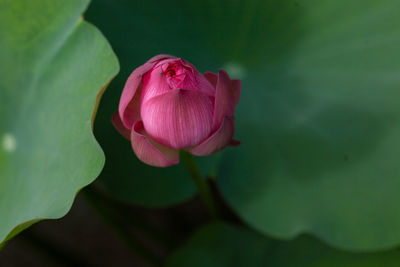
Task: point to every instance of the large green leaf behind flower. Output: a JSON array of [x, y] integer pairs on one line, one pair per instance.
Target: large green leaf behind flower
[[52, 66], [224, 245], [319, 123], [319, 116]]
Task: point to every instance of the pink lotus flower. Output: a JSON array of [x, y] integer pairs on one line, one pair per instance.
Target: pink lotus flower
[[167, 105]]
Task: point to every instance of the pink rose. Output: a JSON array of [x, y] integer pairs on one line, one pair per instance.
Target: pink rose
[[167, 105]]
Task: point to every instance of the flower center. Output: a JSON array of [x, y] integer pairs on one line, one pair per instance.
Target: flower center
[[179, 76], [170, 73]]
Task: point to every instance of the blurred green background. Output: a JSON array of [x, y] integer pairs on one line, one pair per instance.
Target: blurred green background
[[318, 117]]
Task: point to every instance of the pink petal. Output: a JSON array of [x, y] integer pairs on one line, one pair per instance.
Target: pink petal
[[217, 141], [116, 121], [132, 111], [212, 78], [204, 84], [224, 99], [131, 86], [154, 84], [179, 118], [149, 151]]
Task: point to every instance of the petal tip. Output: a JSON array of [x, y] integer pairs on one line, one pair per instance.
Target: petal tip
[[119, 126], [234, 142], [150, 152], [218, 140]]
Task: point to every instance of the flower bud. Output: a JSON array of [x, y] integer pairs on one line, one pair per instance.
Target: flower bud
[[167, 105]]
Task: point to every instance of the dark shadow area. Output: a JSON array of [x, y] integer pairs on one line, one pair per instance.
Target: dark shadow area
[[85, 238]]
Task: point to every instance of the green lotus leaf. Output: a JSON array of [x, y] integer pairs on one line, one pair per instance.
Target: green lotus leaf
[[318, 117], [320, 124], [224, 245], [53, 64]]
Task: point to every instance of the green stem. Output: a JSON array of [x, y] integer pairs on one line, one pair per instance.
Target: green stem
[[100, 206], [202, 185]]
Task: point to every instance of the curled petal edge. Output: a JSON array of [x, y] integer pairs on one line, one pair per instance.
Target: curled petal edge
[[235, 84], [218, 140], [116, 121], [133, 83], [150, 152], [225, 101], [212, 78]]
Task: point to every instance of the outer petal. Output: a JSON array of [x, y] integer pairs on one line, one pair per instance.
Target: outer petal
[[132, 111], [224, 99], [179, 118], [204, 84], [132, 84], [149, 151], [212, 78], [116, 121], [217, 141]]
